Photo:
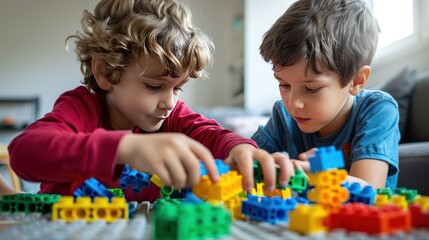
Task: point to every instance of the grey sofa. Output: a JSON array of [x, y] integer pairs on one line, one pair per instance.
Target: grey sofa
[[414, 145]]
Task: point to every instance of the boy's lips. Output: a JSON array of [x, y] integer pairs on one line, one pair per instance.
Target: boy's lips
[[301, 119]]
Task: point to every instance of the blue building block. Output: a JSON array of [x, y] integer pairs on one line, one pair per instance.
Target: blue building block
[[365, 195], [222, 168], [265, 209], [137, 180], [191, 198], [326, 158], [93, 188], [132, 207]]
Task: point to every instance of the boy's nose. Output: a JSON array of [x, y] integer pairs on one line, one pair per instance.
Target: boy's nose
[[295, 102], [167, 102]]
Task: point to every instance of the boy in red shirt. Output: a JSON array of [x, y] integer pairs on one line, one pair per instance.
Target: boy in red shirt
[[135, 57]]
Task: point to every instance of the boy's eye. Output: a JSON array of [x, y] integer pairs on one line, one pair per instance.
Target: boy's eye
[[287, 86], [312, 90], [152, 87], [178, 89]]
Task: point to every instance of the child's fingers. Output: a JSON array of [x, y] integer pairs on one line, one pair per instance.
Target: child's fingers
[[163, 174], [306, 155], [202, 153], [268, 167], [244, 162], [287, 169], [191, 165]]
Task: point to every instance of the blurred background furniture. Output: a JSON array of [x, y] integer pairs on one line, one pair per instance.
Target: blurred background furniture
[[414, 145], [4, 160]]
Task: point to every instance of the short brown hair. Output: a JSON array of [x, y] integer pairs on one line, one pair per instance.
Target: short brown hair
[[335, 35], [120, 33]]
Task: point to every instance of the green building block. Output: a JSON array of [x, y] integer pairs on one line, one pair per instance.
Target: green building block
[[385, 191], [410, 194], [117, 191], [298, 182], [28, 203], [177, 220]]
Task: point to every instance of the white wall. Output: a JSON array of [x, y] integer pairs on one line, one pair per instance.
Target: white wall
[[261, 88]]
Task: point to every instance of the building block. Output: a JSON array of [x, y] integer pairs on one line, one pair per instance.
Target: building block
[[117, 191], [234, 205], [420, 218], [84, 209], [136, 179], [176, 220], [298, 182], [191, 198], [423, 202], [228, 186], [308, 219], [156, 180], [328, 178], [330, 198], [326, 158], [93, 188], [410, 194], [265, 209], [385, 191], [365, 195], [28, 203], [381, 200], [400, 201], [359, 217], [222, 168]]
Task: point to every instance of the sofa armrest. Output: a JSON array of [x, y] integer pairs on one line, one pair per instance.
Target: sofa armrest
[[414, 166]]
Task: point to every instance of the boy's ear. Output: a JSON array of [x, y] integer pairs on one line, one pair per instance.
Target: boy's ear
[[101, 80], [360, 80]]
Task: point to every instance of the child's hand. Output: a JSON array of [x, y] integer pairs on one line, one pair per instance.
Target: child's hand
[[303, 163], [242, 157], [174, 157]]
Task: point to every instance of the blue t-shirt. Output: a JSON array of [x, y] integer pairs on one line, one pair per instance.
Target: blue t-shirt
[[371, 132]]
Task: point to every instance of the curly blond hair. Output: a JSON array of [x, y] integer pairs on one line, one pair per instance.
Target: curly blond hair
[[120, 33]]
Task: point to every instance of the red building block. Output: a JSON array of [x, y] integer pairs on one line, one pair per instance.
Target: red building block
[[358, 217]]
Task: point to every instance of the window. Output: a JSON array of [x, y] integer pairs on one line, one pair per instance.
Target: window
[[396, 20]]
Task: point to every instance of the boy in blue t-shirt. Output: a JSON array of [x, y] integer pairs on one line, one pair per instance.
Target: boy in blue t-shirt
[[321, 51]]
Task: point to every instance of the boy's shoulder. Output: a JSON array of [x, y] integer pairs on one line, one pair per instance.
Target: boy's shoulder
[[375, 97], [78, 94]]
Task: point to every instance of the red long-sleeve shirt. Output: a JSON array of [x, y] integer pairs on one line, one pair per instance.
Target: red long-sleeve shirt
[[76, 141]]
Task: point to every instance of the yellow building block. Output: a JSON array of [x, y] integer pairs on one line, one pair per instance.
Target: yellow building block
[[306, 219], [284, 194], [234, 206], [228, 186], [63, 209], [331, 197], [156, 180], [423, 202], [381, 200], [103, 210], [84, 209], [400, 201], [329, 178]]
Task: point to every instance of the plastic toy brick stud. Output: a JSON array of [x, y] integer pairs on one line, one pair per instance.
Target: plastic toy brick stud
[[326, 158], [137, 180], [385, 191], [222, 168], [365, 195], [409, 194], [93, 188]]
